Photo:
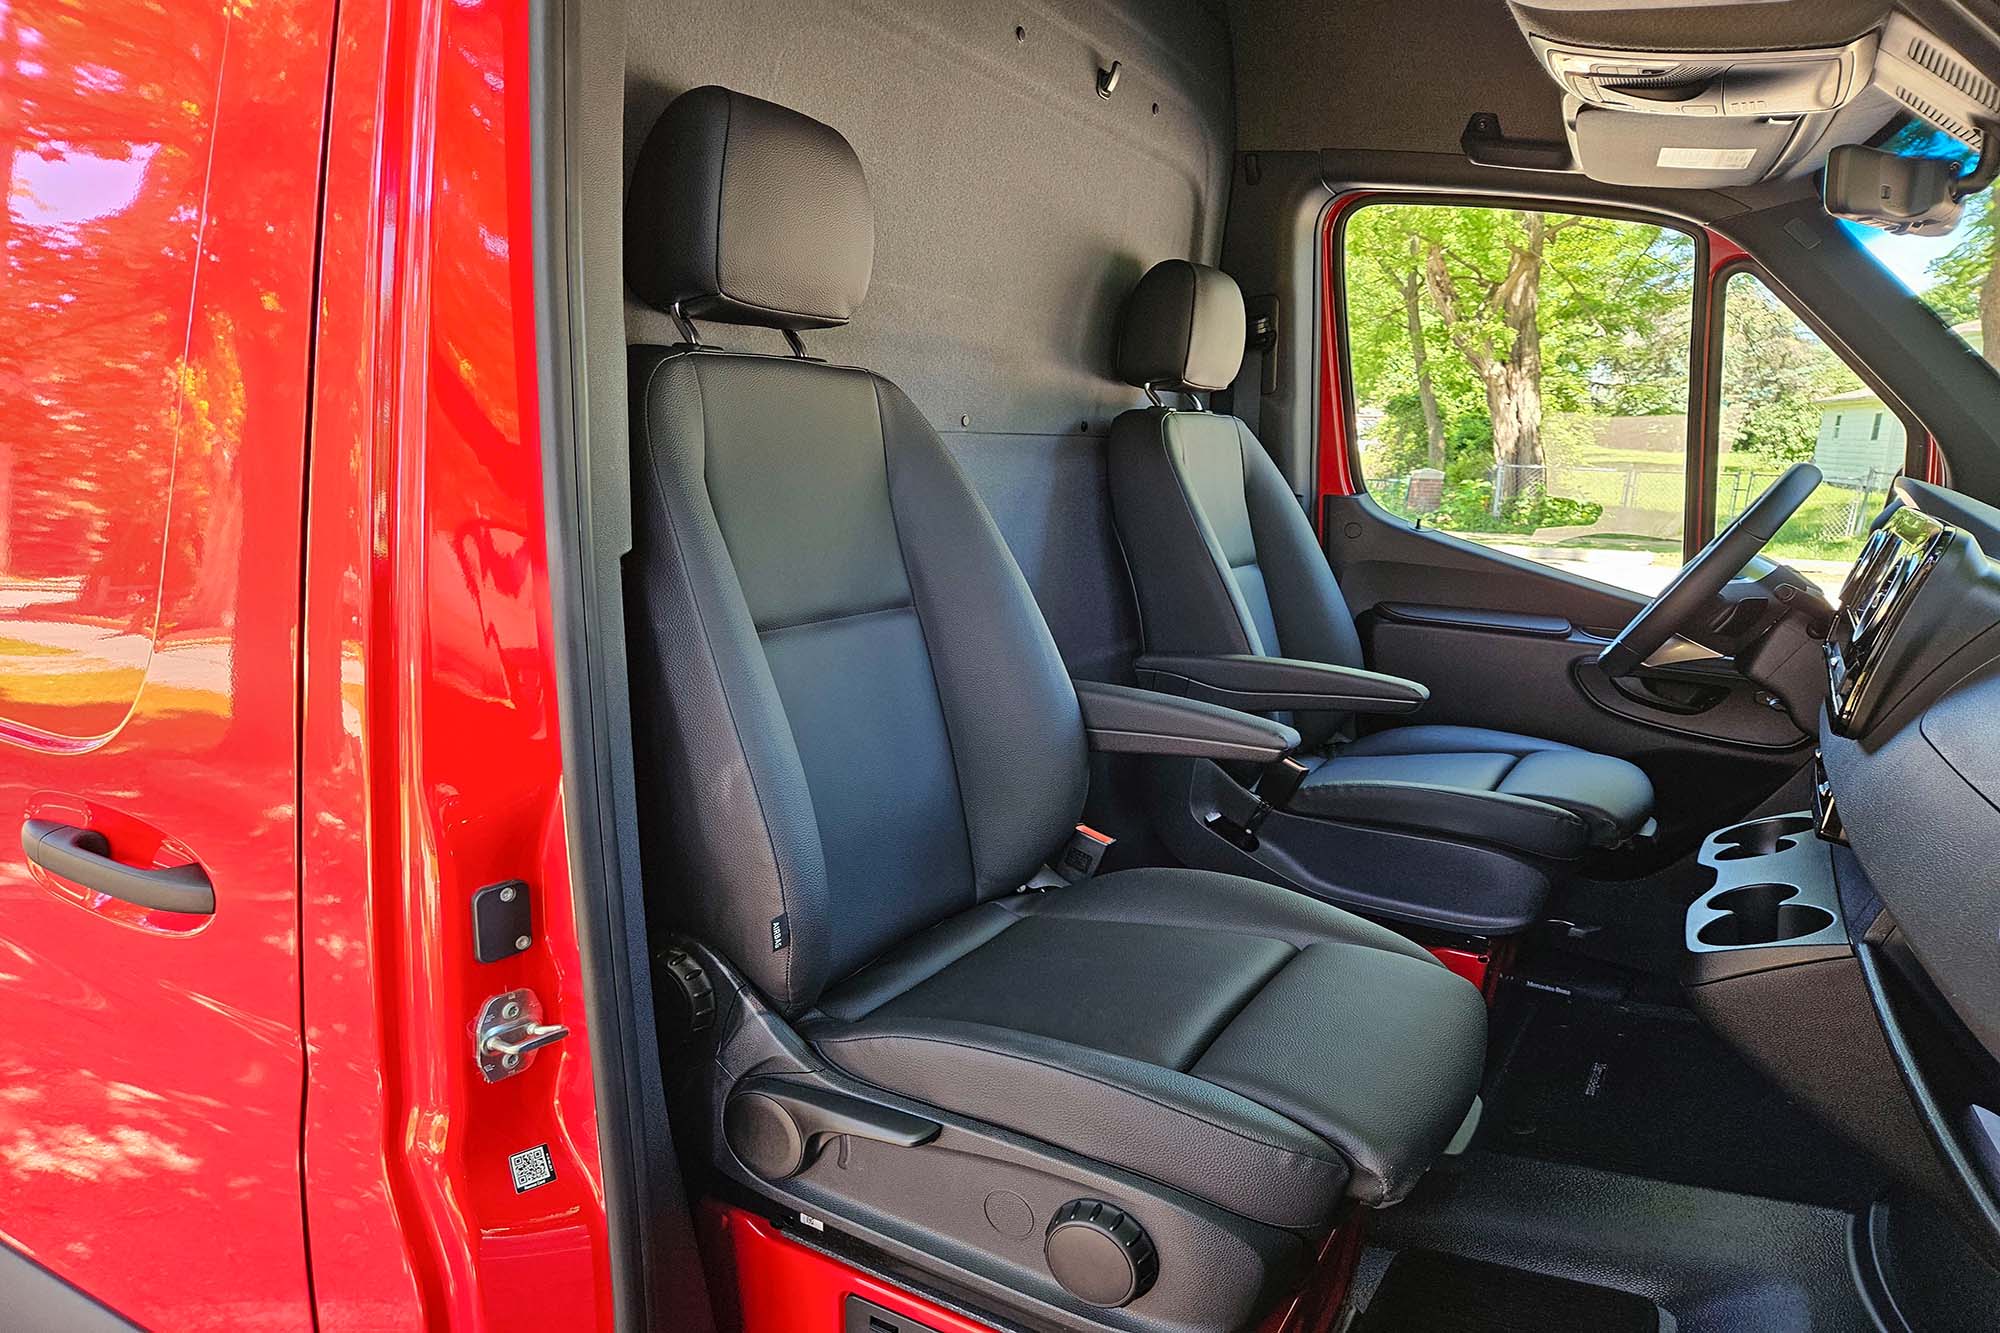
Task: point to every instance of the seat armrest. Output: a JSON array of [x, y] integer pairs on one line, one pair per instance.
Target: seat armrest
[[1272, 684], [1119, 719]]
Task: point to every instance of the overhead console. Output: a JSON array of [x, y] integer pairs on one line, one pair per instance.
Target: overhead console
[[1685, 94], [1933, 80], [1711, 83]]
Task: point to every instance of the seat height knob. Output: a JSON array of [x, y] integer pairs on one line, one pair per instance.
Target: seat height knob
[[1100, 1254]]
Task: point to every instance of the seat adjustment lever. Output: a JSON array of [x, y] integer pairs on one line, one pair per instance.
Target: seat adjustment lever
[[776, 1126]]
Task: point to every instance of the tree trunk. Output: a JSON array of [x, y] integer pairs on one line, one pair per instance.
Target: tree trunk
[[1511, 375], [1514, 388], [1420, 359]]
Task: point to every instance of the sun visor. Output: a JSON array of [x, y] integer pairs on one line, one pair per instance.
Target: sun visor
[[1630, 148]]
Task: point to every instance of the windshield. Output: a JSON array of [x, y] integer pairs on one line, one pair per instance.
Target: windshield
[[1953, 275]]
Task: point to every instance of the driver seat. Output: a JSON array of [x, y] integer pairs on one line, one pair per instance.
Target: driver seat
[[1224, 562]]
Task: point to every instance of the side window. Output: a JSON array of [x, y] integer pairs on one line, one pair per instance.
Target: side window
[[1787, 398], [1521, 380]]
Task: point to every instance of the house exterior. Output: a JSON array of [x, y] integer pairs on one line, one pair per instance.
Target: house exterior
[[1861, 442], [1858, 436]]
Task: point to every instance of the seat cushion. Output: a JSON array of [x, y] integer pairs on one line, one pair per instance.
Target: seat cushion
[[1537, 796], [1250, 1046]]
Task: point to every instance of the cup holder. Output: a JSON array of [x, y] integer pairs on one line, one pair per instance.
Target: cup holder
[[1761, 838], [1762, 914]]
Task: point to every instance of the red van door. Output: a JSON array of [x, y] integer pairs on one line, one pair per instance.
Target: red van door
[[161, 171]]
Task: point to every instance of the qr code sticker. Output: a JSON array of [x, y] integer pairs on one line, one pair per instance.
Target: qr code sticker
[[531, 1168]]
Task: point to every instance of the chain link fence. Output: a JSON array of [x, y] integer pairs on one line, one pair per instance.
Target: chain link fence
[[1650, 502]]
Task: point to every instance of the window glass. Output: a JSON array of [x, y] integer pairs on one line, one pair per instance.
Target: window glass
[[1954, 275], [1521, 380], [1787, 398]]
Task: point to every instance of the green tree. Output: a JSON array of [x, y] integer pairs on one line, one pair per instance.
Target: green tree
[[1966, 279], [1775, 372], [1401, 360], [1489, 300], [1507, 315]]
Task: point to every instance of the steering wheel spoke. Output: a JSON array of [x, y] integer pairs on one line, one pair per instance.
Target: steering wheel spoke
[[1669, 615]]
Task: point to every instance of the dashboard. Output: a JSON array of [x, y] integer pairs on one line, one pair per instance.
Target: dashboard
[[1900, 618], [1910, 744]]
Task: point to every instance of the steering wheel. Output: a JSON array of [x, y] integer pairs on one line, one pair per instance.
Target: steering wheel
[[1706, 575]]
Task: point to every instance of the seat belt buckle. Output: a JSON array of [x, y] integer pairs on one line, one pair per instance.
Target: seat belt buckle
[[1084, 853], [1280, 781]]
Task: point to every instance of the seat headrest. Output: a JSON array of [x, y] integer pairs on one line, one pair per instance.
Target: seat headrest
[[747, 212], [1182, 329]]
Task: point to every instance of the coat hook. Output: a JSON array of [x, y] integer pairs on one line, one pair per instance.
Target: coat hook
[[1107, 80]]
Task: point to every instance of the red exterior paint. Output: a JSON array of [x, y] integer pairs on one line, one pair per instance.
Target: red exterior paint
[[771, 1284], [1464, 962], [431, 757], [1320, 1302], [154, 352], [1704, 448], [1336, 471]]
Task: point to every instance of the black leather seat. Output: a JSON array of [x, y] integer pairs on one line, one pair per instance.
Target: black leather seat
[[1225, 562], [858, 743], [1208, 1031]]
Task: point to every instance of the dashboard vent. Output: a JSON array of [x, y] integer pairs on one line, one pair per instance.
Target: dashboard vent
[[1950, 69], [1944, 120], [1934, 81]]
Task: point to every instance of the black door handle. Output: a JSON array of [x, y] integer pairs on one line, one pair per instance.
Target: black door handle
[[83, 856]]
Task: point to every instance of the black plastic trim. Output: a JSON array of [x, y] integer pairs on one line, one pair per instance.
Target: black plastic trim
[[1483, 142], [1978, 1194], [1469, 617], [656, 1274], [83, 856]]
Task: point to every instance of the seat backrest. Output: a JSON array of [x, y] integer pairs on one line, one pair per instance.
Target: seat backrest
[[1222, 556], [851, 719]]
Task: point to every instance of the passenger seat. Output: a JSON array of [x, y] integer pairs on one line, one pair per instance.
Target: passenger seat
[[1149, 1089], [1238, 604]]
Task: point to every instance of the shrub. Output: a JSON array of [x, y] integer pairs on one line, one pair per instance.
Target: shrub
[[1468, 507]]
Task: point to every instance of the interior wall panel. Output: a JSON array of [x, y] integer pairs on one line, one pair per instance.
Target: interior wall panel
[[1014, 209]]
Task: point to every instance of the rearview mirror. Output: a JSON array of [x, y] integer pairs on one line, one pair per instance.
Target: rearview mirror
[[1899, 194]]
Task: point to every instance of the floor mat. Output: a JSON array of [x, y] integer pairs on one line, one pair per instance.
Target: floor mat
[[1428, 1292], [1720, 1262], [1647, 1090]]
